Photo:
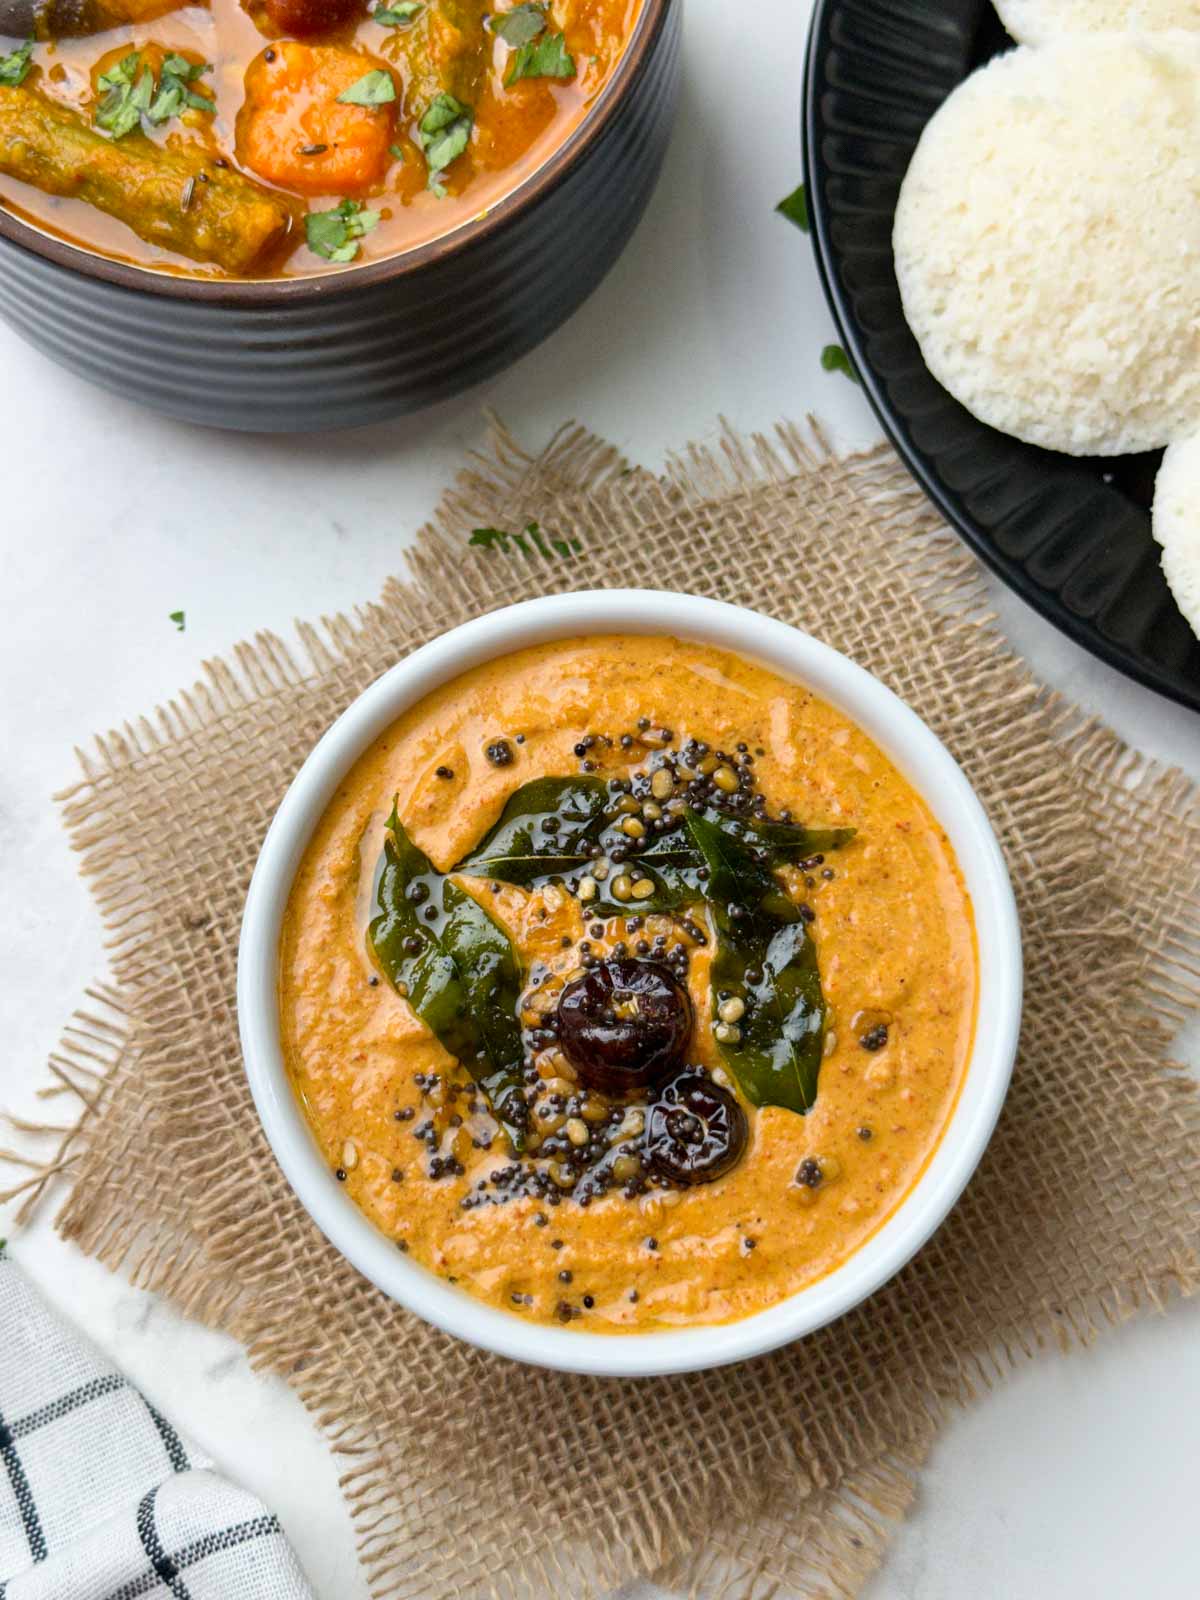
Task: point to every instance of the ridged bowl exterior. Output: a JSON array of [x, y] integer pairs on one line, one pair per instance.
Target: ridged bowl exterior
[[1071, 536], [358, 347]]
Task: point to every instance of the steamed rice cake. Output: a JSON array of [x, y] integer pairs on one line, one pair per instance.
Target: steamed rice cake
[[1047, 243], [1177, 525], [1038, 21]]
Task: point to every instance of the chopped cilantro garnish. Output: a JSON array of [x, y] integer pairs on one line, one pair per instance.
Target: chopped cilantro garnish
[[334, 235], [175, 93], [376, 88], [543, 58], [835, 359], [535, 54], [178, 618], [128, 89], [130, 94], [14, 69], [396, 16], [396, 151], [795, 208], [445, 131], [521, 25]]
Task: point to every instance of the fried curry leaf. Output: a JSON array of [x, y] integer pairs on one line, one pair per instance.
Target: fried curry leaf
[[15, 68], [547, 57], [334, 235], [546, 830], [790, 841], [521, 25], [771, 963], [555, 829], [445, 132], [375, 88], [734, 874], [458, 969], [766, 957]]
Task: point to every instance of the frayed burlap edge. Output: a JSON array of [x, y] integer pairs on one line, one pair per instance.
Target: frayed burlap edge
[[841, 1530]]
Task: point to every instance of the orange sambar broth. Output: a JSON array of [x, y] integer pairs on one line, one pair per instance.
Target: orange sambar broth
[[516, 129], [895, 936]]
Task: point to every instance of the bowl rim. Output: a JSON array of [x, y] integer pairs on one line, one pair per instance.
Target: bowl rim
[[908, 742], [267, 293]]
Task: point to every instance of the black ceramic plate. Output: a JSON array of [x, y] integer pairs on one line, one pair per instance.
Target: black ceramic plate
[[1071, 536]]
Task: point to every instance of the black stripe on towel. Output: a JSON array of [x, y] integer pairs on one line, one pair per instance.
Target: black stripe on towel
[[26, 1505], [67, 1403], [164, 1566], [209, 1544], [172, 1443]]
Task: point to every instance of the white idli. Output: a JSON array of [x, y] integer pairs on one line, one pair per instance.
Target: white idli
[[1047, 243], [1177, 525], [1038, 21]]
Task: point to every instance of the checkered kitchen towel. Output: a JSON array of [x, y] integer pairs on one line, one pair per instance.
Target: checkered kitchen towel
[[100, 1498]]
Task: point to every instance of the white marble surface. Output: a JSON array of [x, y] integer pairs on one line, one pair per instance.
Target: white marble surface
[[1075, 1478]]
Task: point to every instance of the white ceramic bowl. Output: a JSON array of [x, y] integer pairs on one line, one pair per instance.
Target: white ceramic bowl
[[914, 750]]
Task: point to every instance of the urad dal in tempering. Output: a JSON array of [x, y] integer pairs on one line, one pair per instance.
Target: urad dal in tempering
[[1038, 21], [627, 985], [1047, 243]]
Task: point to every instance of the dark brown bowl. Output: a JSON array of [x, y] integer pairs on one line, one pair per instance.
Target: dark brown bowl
[[354, 347]]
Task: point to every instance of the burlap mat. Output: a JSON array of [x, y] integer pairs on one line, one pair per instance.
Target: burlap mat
[[471, 1476]]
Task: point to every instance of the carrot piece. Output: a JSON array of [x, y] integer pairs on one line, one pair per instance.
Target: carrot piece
[[293, 131]]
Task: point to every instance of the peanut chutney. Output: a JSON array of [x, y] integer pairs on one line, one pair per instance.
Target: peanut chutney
[[687, 1023]]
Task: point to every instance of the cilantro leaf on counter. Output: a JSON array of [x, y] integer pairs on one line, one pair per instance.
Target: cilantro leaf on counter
[[530, 536], [795, 208], [178, 618], [835, 359]]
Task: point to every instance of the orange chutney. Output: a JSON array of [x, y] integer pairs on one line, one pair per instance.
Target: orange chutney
[[896, 946]]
